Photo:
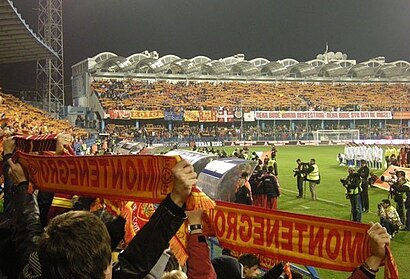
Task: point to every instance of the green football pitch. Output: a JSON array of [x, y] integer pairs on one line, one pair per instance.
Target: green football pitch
[[332, 201]]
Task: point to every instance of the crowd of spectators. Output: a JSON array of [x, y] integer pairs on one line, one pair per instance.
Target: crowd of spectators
[[79, 244], [157, 133], [17, 117], [131, 94]]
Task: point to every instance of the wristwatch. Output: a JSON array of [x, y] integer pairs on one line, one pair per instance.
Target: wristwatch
[[194, 227]]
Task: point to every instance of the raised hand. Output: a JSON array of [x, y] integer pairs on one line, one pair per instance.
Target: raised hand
[[185, 178]]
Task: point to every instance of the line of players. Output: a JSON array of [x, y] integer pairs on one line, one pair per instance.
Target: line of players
[[354, 153], [373, 155]]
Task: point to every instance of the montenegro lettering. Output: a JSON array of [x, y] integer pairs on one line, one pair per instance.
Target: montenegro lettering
[[147, 178], [318, 241]]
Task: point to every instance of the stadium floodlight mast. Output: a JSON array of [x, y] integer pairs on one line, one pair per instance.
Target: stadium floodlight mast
[[50, 72]]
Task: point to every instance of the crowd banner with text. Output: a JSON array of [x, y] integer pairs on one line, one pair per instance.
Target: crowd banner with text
[[191, 116], [172, 115], [208, 116], [299, 115], [302, 239], [145, 178], [136, 114], [401, 115], [120, 114], [147, 114]]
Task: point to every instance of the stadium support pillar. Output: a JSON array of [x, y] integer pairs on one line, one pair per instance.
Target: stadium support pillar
[[202, 127], [170, 126], [102, 125], [50, 72], [137, 124]]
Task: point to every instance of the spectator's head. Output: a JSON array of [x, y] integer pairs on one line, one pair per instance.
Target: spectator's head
[[400, 174], [312, 161], [227, 267], [386, 203], [245, 175], [298, 161], [350, 170], [75, 245], [270, 169], [250, 265], [363, 162]]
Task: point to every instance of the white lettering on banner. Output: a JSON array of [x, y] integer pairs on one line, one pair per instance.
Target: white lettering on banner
[[295, 115], [216, 143], [203, 143]]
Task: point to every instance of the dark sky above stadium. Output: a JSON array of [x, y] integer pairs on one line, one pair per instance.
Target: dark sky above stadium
[[218, 28]]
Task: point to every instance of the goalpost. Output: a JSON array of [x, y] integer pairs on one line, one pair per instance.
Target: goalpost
[[328, 135]]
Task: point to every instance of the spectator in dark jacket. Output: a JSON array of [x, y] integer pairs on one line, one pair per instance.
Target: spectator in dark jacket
[[77, 245], [267, 192], [243, 194]]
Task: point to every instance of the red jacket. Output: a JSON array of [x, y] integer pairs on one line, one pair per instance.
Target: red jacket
[[199, 263]]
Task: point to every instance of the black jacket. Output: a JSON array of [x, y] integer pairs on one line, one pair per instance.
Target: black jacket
[[243, 196], [268, 185], [134, 262]]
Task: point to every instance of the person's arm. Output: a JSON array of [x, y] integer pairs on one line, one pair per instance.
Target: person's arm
[[116, 230], [275, 168], [379, 238], [199, 262], [398, 188], [8, 149], [27, 216], [147, 246]]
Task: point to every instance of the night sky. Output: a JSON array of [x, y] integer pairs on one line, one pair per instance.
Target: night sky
[[219, 28]]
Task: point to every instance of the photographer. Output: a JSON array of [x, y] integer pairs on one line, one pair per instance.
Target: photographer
[[300, 174], [313, 176], [352, 183], [396, 181], [389, 218], [399, 188], [364, 174]]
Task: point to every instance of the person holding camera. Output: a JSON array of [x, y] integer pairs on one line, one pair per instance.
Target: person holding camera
[[313, 176], [397, 191], [352, 183], [389, 218], [364, 194], [300, 177], [401, 187]]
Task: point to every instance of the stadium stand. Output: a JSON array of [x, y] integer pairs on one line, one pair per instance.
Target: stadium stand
[[17, 117], [134, 94]]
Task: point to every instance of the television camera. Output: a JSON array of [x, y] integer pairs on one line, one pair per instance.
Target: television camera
[[345, 184], [303, 169], [390, 179]]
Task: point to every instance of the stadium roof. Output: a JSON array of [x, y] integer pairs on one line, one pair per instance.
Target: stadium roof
[[324, 66], [18, 42]]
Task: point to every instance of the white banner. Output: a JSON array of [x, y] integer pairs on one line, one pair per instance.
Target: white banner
[[325, 115], [249, 116]]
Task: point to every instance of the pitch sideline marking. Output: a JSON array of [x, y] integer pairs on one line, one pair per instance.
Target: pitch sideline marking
[[324, 200]]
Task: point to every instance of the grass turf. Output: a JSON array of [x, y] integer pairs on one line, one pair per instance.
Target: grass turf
[[332, 202]]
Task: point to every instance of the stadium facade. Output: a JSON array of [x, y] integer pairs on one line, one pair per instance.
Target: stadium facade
[[329, 68]]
